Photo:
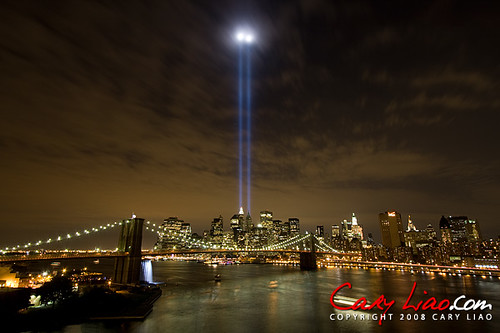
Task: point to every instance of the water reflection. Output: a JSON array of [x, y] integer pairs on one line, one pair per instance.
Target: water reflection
[[244, 301]]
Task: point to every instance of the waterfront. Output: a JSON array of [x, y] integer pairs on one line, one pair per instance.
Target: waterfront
[[246, 300]]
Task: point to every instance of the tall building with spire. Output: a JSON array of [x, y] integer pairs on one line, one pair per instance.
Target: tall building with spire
[[236, 221], [411, 226], [357, 229], [350, 229], [416, 239]]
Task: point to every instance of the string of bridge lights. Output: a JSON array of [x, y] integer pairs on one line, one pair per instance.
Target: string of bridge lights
[[198, 243], [188, 240], [321, 248], [324, 245], [288, 242], [68, 236]]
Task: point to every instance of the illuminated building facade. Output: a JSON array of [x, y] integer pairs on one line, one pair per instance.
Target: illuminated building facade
[[285, 230], [248, 226], [335, 231], [294, 226], [473, 231], [217, 230], [172, 231], [416, 239], [346, 229], [320, 231], [411, 226], [266, 219], [351, 229], [356, 229], [453, 229], [237, 220], [237, 223], [391, 228], [276, 231]]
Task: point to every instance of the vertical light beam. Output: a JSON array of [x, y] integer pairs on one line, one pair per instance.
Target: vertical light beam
[[240, 123], [249, 129]]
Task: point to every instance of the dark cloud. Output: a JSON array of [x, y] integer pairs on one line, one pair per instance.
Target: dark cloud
[[113, 108]]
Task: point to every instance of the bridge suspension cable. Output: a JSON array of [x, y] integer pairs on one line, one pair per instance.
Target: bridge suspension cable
[[182, 238], [322, 245], [287, 243], [62, 237]]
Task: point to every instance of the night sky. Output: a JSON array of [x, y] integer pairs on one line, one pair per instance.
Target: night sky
[[110, 108]]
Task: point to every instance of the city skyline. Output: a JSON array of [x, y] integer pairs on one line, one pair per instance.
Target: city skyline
[[359, 108], [72, 239]]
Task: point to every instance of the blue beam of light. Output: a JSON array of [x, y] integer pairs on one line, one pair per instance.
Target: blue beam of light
[[240, 123], [249, 130]]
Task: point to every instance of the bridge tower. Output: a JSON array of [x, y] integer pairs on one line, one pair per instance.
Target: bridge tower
[[308, 259], [128, 268]]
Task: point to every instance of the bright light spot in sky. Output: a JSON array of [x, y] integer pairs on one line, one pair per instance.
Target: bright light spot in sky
[[245, 36]]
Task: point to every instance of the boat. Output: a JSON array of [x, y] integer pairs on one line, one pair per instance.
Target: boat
[[55, 263], [96, 261], [273, 284], [217, 278]]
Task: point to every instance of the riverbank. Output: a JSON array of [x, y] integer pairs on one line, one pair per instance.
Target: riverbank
[[98, 304]]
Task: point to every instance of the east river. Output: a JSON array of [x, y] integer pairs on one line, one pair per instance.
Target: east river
[[270, 298]]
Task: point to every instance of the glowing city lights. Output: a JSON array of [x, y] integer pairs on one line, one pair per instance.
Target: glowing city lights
[[188, 240]]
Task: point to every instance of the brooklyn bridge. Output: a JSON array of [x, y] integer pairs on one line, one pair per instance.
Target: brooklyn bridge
[[311, 250], [129, 252]]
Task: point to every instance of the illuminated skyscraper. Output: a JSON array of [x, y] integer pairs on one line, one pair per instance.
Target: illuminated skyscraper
[[346, 229], [357, 230], [285, 228], [171, 232], [415, 238], [237, 220], [266, 219], [458, 229], [391, 228], [350, 229], [248, 226], [217, 229], [335, 231], [237, 223], [320, 231], [445, 228], [411, 226], [473, 231], [294, 226], [276, 231]]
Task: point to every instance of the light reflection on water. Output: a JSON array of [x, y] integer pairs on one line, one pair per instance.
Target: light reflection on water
[[246, 300]]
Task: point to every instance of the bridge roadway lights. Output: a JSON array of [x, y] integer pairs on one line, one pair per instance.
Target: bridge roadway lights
[[127, 269]]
